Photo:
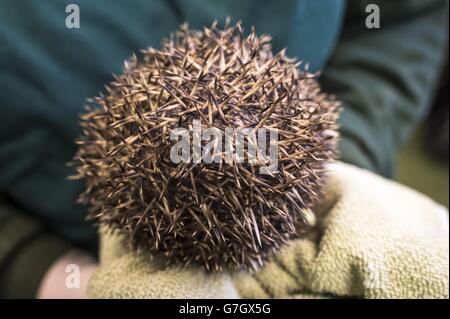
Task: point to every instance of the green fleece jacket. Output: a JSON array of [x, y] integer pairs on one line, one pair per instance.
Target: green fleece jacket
[[384, 77]]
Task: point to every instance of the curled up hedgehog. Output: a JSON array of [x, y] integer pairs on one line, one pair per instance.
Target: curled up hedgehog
[[221, 213]]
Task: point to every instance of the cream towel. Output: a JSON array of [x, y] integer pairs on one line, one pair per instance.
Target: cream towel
[[124, 274], [374, 239]]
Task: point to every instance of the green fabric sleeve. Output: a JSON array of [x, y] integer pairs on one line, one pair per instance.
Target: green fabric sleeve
[[385, 77], [27, 250]]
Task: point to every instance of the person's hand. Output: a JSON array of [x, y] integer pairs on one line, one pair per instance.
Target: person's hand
[[68, 277]]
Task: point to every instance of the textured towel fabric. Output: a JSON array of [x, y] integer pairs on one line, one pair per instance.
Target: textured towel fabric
[[374, 239], [124, 274]]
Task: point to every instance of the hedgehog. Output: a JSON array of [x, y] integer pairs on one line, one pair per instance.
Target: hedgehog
[[221, 214]]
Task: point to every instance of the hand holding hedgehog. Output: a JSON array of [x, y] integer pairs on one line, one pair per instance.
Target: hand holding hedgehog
[[220, 215], [374, 238]]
